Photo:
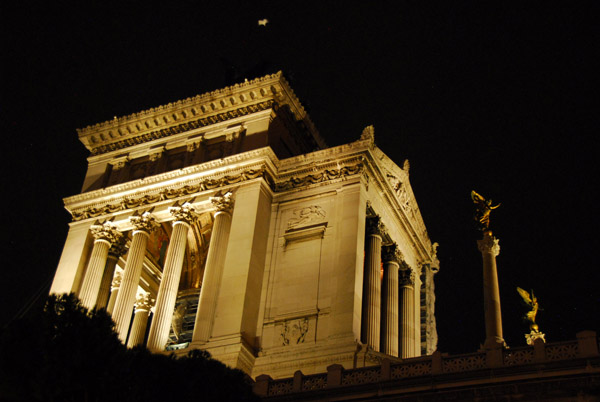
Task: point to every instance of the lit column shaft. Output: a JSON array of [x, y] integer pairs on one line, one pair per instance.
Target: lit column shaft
[[115, 252], [372, 285], [406, 279], [140, 320], [131, 275], [389, 301], [215, 261], [105, 235], [489, 249], [167, 291], [114, 291]]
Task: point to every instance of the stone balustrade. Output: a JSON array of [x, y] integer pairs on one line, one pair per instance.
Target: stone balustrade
[[586, 346]]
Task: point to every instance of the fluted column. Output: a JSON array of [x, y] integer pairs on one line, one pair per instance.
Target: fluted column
[[143, 226], [389, 300], [490, 248], [114, 253], [406, 281], [167, 291], [143, 304], [114, 290], [105, 235], [372, 284], [213, 271]]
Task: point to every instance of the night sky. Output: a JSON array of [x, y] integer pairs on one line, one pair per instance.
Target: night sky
[[497, 98]]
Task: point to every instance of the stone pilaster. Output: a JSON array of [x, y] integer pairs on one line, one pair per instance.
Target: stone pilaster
[[114, 290], [167, 291], [114, 253], [389, 300], [372, 284], [213, 272], [143, 305], [406, 281], [105, 235], [143, 226], [490, 248]]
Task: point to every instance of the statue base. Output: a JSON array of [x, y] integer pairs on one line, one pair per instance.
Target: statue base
[[533, 335]]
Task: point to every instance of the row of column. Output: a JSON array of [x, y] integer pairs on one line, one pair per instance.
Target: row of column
[[384, 328], [109, 245]]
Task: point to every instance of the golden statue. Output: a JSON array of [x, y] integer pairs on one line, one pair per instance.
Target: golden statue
[[532, 302], [483, 208]]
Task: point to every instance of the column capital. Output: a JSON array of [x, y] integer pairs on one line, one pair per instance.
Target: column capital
[[489, 244], [375, 226], [223, 202], [391, 253], [144, 223], [116, 282], [143, 302], [118, 248], [184, 213], [107, 232], [406, 277]]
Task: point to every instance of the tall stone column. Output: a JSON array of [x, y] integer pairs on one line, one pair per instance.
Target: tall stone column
[[167, 291], [143, 304], [372, 284], [114, 253], [490, 248], [406, 280], [105, 235], [213, 271], [114, 291], [143, 226], [389, 300]]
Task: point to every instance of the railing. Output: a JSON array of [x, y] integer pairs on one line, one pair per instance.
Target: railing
[[586, 345]]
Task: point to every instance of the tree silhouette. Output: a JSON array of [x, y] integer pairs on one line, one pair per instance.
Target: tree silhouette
[[69, 353]]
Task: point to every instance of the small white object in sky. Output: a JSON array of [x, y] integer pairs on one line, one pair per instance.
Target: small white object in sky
[[263, 22]]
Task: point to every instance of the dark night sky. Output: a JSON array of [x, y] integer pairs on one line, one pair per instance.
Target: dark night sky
[[498, 98]]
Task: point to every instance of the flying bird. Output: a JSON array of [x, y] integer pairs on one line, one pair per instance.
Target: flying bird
[[263, 22]]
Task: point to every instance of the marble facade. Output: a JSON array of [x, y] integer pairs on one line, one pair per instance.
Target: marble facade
[[290, 251]]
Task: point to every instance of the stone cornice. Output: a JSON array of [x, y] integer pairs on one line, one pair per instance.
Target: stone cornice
[[199, 110]]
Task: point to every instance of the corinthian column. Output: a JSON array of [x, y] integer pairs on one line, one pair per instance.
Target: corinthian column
[[406, 280], [114, 290], [114, 253], [167, 291], [489, 249], [372, 284], [143, 304], [389, 301], [143, 226], [213, 270], [105, 235]]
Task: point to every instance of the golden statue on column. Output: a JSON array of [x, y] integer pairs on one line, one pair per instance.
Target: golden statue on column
[[532, 302], [483, 208]]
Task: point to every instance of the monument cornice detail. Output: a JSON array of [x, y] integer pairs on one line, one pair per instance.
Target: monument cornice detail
[[183, 127], [214, 106], [125, 203]]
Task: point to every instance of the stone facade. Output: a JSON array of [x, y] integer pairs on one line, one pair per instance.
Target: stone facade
[[274, 259]]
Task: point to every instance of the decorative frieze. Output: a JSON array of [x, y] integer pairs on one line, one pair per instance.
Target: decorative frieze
[[167, 194], [321, 177], [306, 216]]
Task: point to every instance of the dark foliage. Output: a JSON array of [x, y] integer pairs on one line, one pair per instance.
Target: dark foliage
[[67, 353]]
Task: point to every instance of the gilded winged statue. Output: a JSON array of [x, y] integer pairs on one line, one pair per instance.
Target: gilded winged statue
[[532, 302], [483, 208]]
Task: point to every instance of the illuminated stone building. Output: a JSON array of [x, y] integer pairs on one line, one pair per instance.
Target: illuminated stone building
[[223, 222]]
